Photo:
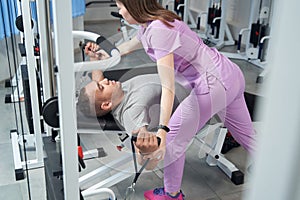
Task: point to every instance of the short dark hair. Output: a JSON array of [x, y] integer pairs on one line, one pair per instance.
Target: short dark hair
[[85, 106], [84, 103]]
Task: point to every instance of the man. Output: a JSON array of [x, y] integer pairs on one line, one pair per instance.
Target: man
[[134, 104]]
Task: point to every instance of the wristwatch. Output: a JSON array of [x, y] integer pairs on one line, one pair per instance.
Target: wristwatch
[[163, 127]]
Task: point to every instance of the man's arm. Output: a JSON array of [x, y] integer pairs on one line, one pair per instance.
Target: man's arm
[[97, 75]]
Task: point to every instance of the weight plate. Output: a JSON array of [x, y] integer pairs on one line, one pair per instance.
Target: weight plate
[[50, 112]]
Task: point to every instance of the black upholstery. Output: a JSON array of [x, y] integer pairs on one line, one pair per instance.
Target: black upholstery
[[125, 74]]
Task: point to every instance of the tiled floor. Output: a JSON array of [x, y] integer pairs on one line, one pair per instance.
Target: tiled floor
[[200, 181]]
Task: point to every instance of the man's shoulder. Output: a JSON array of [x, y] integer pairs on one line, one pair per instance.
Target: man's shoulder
[[145, 78], [142, 89]]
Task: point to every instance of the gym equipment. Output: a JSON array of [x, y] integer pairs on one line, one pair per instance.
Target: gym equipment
[[50, 112], [51, 109], [257, 36], [216, 32], [181, 7], [214, 155], [32, 93], [17, 79], [111, 2], [131, 189], [6, 17], [126, 34], [105, 44], [24, 73]]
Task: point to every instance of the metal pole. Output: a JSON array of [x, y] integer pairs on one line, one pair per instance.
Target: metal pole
[[45, 47], [63, 41], [46, 57], [31, 67]]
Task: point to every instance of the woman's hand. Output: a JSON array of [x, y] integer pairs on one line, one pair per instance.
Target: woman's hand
[[95, 52], [160, 153], [90, 49]]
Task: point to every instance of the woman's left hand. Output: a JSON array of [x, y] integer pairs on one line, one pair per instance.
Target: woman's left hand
[[94, 51], [159, 154], [146, 141], [102, 55]]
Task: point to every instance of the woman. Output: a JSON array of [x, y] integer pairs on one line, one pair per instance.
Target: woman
[[217, 88]]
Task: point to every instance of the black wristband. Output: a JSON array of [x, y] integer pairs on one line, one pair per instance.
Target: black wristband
[[163, 127]]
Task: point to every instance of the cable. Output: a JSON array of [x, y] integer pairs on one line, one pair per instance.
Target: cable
[[19, 103]]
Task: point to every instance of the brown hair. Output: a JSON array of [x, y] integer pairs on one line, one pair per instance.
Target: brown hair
[[144, 11], [85, 105]]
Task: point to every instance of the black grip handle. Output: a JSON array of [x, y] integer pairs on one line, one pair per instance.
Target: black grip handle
[[105, 44], [81, 162], [239, 42], [116, 14], [260, 49], [198, 23], [134, 138]]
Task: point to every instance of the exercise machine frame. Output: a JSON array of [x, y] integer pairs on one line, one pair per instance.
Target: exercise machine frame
[[224, 37], [254, 54], [35, 140]]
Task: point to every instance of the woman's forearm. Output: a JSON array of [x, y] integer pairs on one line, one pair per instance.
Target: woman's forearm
[[165, 68], [167, 100], [130, 46]]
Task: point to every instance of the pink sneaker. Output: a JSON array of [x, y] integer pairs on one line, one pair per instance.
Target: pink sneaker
[[160, 194]]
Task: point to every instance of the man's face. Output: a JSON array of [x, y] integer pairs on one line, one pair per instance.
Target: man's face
[[103, 91]]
